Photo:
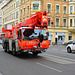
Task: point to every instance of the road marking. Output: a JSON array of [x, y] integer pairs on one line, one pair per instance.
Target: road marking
[[56, 49], [62, 58], [48, 67]]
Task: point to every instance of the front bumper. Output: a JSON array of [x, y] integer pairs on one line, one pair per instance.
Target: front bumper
[[34, 50]]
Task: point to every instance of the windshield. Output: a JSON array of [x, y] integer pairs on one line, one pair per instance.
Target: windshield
[[30, 34]]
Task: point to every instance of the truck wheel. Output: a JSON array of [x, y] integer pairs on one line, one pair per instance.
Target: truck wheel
[[35, 53], [5, 47], [8, 48], [14, 51], [69, 50]]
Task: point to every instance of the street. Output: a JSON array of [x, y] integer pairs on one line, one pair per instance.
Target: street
[[56, 61]]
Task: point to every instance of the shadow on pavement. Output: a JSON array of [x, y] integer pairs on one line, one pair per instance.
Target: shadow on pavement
[[28, 56]]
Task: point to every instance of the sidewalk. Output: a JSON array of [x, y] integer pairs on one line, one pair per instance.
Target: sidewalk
[[0, 45]]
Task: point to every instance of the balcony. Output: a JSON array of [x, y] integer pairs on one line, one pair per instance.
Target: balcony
[[72, 14], [72, 2], [71, 29]]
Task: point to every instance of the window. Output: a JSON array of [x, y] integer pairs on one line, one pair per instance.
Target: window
[[70, 22], [64, 22], [71, 9], [57, 9], [49, 8], [49, 22], [24, 1], [14, 15], [17, 14], [21, 2], [29, 34], [64, 0], [74, 8], [21, 12], [64, 10], [24, 11], [14, 5], [57, 22], [27, 9], [71, 0], [35, 6], [23, 18], [70, 37], [74, 22], [17, 4]]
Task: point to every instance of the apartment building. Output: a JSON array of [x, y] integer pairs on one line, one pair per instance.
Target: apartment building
[[2, 3], [10, 13], [72, 19], [60, 26], [29, 7], [58, 14]]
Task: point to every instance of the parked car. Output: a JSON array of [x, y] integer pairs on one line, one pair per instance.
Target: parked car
[[70, 42], [71, 47]]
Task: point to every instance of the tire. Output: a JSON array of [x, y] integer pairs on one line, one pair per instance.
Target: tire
[[14, 51], [35, 53], [69, 50], [5, 47], [8, 48]]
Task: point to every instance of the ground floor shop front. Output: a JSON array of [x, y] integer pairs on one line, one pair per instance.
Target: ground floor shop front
[[60, 36]]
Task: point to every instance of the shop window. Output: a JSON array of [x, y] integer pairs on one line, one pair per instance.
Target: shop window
[[70, 37]]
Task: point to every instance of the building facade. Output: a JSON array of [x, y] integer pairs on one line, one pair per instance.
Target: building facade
[[29, 7], [58, 14], [72, 19], [10, 13], [2, 3], [61, 14]]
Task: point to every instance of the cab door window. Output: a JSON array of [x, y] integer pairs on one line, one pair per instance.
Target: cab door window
[[19, 34]]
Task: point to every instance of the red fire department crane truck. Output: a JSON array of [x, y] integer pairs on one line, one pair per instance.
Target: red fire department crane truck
[[27, 36]]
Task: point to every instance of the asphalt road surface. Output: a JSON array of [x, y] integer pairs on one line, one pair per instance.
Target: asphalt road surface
[[56, 61]]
